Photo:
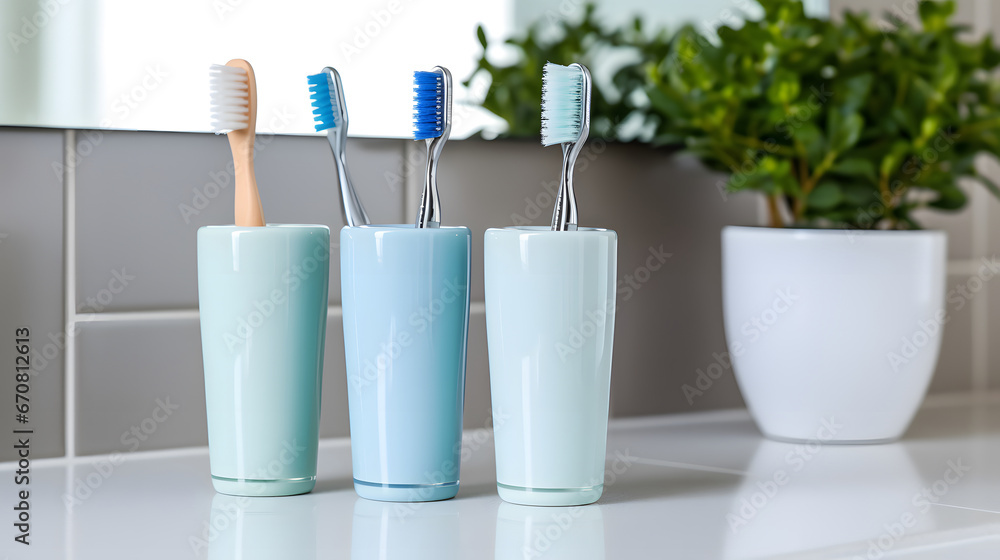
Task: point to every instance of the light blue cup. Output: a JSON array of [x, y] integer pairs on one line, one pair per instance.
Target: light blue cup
[[550, 318], [405, 294], [262, 296]]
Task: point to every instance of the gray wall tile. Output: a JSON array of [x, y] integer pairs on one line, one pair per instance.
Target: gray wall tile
[[125, 369], [142, 196], [495, 184], [670, 324], [477, 375], [991, 168], [958, 226], [124, 366], [954, 368], [31, 279], [334, 419]]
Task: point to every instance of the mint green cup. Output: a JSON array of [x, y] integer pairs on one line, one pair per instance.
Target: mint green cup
[[262, 297]]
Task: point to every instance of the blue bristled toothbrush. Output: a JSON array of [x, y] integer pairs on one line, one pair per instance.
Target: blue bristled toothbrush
[[330, 114], [431, 122], [566, 121]]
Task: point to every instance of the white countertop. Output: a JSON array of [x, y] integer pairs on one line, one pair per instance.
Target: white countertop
[[684, 486]]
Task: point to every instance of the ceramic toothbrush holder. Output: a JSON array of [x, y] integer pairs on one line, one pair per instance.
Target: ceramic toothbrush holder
[[550, 314], [405, 294], [262, 297]]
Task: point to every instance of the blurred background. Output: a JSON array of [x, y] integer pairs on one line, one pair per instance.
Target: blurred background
[[107, 173], [84, 66]]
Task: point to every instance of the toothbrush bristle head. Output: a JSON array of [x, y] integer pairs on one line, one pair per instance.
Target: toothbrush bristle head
[[562, 103], [324, 101], [229, 90], [428, 105]]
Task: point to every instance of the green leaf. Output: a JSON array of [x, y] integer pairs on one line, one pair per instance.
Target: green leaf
[[929, 127], [825, 196], [905, 119], [665, 104], [855, 167], [771, 175], [950, 198], [858, 195], [891, 162], [811, 139], [481, 33], [784, 87], [845, 131], [855, 92], [946, 73], [934, 15]]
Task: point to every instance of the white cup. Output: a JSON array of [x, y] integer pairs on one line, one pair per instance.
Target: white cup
[[550, 310]]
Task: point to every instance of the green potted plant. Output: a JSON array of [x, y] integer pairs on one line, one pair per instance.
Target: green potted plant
[[834, 314]]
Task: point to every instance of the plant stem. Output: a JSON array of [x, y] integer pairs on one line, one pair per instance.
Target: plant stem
[[800, 201], [979, 126], [810, 183], [774, 214]]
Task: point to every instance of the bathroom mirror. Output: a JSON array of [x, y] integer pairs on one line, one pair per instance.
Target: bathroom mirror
[[122, 64]]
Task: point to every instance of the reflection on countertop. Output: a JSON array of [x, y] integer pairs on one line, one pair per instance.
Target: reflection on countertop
[[563, 533], [704, 485], [418, 531], [245, 528]]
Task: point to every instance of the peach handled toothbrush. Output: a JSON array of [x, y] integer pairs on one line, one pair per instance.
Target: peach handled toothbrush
[[234, 113]]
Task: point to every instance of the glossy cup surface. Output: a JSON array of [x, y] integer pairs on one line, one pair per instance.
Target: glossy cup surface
[[405, 294], [550, 302], [262, 297]]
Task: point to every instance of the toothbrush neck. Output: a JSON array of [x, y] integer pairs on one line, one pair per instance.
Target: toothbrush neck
[[350, 204], [337, 140], [429, 214], [565, 214]]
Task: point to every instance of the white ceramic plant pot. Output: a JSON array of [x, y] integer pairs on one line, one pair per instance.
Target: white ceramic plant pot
[[833, 334]]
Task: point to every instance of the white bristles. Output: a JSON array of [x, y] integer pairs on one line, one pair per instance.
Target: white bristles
[[230, 100], [562, 104]]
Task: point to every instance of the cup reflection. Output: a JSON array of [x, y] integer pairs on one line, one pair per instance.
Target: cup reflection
[[552, 533], [808, 497], [245, 528], [405, 531]]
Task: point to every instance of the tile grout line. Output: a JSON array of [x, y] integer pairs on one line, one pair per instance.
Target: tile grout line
[[152, 315], [69, 278], [980, 246]]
